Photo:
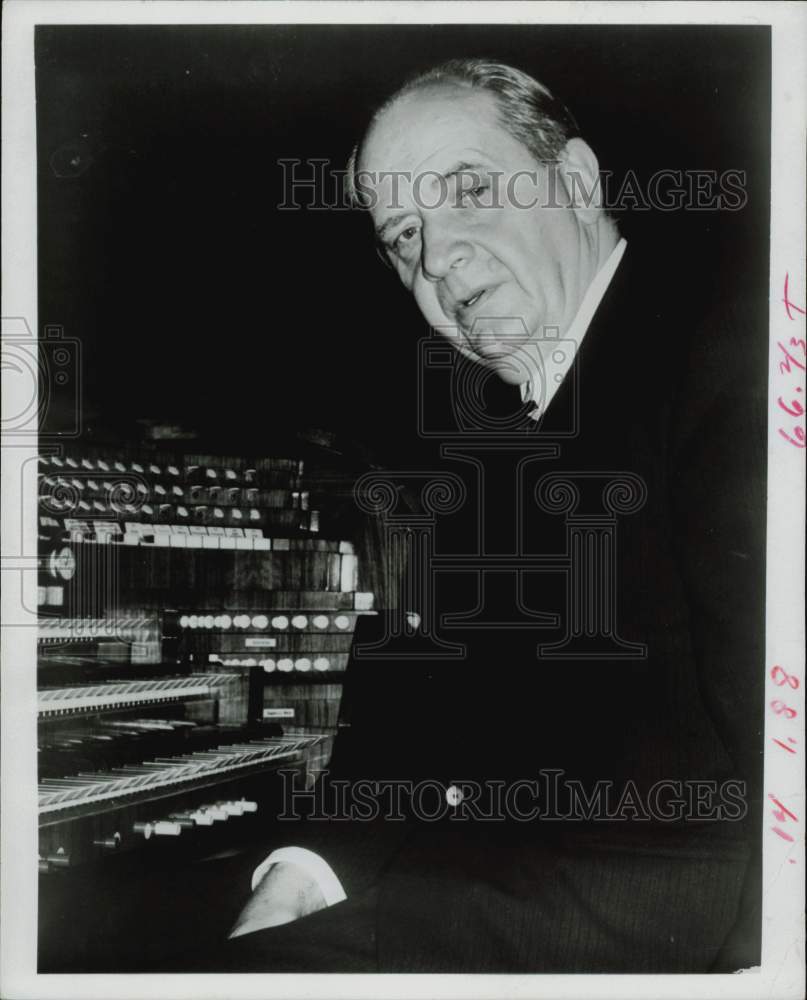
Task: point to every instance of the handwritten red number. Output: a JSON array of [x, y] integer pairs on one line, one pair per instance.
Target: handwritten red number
[[780, 676], [782, 709], [798, 408], [784, 366], [799, 432], [781, 812]]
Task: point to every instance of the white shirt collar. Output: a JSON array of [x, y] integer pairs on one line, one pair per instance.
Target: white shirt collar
[[556, 356]]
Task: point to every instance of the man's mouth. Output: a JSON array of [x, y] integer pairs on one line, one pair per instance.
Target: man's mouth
[[474, 299]]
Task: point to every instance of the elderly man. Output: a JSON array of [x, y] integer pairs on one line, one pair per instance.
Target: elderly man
[[485, 200], [487, 204]]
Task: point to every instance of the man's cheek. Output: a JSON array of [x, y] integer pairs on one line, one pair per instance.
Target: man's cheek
[[408, 276], [428, 303]]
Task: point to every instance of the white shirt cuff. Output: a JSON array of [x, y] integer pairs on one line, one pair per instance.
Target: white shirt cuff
[[319, 870]]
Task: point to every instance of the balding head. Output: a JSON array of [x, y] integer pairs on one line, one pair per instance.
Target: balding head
[[497, 243]]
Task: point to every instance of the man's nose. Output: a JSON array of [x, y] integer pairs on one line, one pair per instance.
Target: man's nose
[[443, 252]]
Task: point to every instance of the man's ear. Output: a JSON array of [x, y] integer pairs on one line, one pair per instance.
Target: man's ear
[[580, 173]]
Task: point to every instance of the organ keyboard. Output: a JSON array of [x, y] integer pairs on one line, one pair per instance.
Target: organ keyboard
[[110, 777], [85, 791], [179, 596]]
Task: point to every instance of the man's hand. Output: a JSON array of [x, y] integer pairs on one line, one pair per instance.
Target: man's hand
[[285, 893]]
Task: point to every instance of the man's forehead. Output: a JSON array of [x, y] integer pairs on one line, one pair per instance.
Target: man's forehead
[[419, 127]]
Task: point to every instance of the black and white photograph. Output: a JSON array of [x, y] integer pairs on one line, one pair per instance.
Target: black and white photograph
[[403, 507]]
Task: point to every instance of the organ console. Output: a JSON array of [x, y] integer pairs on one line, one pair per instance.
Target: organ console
[[195, 615]]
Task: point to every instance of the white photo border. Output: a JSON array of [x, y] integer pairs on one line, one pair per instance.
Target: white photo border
[[781, 974]]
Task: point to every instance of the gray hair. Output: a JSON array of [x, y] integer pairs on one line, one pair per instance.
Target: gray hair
[[527, 109]]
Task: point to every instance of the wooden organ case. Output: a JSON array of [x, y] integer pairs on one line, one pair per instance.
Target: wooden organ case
[[196, 612]]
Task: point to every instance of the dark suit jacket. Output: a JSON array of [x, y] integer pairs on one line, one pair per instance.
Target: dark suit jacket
[[674, 397]]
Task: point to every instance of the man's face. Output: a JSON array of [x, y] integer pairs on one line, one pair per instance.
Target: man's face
[[499, 261]]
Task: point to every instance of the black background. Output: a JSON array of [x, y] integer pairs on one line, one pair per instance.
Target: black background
[[196, 301]]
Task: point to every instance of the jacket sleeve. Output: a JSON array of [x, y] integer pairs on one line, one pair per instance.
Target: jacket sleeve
[[333, 820]]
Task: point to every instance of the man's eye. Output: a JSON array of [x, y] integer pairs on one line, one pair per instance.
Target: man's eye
[[474, 194], [405, 239], [407, 235]]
